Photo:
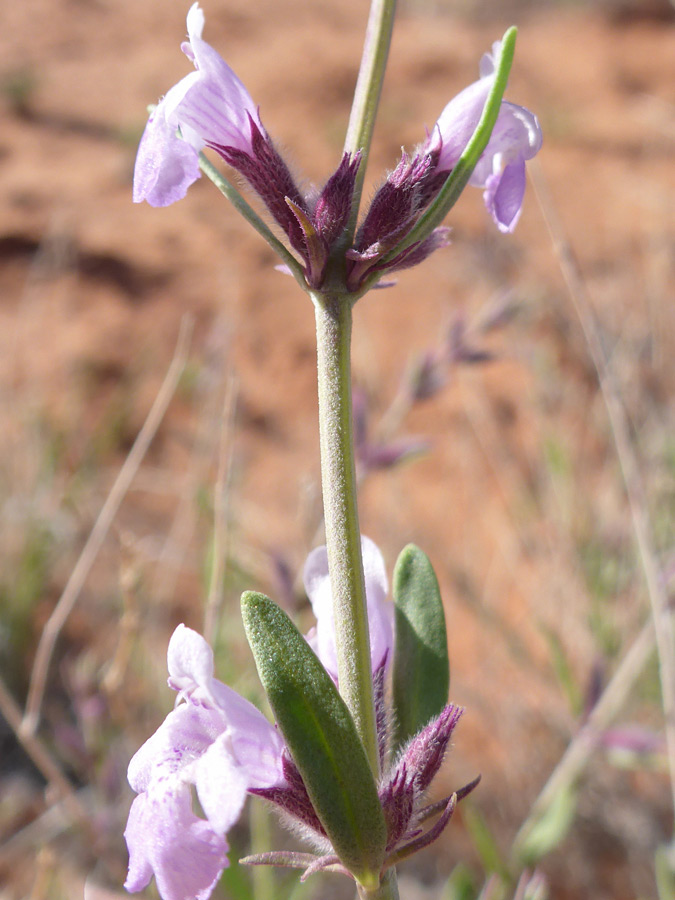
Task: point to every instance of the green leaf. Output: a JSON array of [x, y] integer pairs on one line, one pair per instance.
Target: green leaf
[[549, 830], [484, 842], [461, 884], [664, 867], [421, 667], [321, 736], [459, 177]]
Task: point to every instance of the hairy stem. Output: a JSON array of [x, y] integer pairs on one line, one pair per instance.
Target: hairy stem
[[343, 537]]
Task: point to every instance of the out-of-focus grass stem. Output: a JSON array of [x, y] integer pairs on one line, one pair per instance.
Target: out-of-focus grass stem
[[659, 630], [101, 528], [220, 495]]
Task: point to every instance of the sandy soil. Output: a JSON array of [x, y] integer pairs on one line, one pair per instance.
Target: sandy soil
[[521, 485]]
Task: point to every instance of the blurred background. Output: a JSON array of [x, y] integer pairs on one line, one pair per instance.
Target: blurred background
[[486, 437]]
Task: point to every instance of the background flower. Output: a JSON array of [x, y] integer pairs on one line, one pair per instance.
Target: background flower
[[380, 610]]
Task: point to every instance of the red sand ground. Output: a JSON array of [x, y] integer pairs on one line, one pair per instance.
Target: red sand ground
[[93, 289]]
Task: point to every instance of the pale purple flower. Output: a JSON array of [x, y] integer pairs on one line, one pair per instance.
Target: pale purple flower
[[218, 745], [516, 137], [210, 106], [216, 742], [380, 610]]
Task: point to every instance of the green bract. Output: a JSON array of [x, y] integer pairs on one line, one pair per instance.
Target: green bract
[[459, 177], [321, 737], [421, 667]]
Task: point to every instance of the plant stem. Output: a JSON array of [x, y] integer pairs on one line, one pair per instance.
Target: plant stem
[[343, 538], [368, 90], [387, 890]]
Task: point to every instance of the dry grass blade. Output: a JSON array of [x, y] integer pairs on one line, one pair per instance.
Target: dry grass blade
[[100, 530], [581, 748], [43, 761]]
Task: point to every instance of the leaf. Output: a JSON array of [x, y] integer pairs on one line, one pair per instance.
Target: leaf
[[550, 829], [460, 885], [664, 868], [321, 737], [421, 667], [484, 842]]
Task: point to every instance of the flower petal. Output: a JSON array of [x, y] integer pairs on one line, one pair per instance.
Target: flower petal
[[317, 585], [515, 138], [190, 662], [208, 106], [166, 166], [185, 735], [504, 194], [458, 121], [167, 839], [219, 85], [221, 785], [217, 741], [380, 611]]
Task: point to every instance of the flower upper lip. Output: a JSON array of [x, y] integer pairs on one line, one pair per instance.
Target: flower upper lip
[[210, 105]]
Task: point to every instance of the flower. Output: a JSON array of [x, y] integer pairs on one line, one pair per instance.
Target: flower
[[515, 138], [409, 189], [210, 106], [217, 742], [380, 611], [220, 745]]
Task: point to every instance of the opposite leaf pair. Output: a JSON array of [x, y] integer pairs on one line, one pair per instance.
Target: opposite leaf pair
[[314, 768]]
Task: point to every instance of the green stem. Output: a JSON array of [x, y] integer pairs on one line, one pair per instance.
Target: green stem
[[368, 90], [386, 890], [343, 538]]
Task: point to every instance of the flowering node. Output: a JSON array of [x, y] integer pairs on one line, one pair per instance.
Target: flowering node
[[312, 768], [478, 139]]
